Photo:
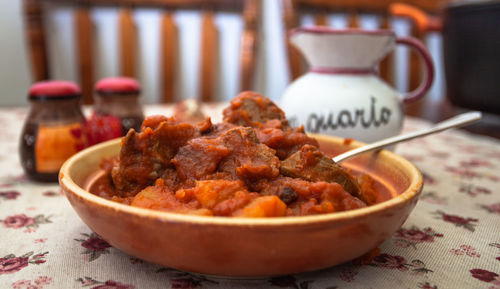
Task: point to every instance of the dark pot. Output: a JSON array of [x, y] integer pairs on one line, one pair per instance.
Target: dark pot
[[471, 42]]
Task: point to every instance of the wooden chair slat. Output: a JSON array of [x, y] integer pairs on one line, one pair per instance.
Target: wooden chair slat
[[248, 44], [85, 57], [321, 19], [385, 70], [168, 54], [33, 19], [352, 20], [208, 57], [128, 42], [291, 20]]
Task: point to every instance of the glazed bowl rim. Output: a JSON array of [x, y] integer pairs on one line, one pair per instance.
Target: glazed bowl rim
[[413, 190]]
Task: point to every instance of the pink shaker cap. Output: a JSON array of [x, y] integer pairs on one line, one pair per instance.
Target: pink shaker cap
[[54, 89], [117, 85]]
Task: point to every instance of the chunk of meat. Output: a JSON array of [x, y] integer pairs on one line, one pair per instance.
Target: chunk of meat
[[152, 122], [310, 164], [199, 157], [254, 110], [144, 156], [249, 158], [285, 142], [155, 120]]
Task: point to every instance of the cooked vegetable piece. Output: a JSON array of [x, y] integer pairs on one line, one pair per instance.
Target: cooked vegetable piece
[[267, 206], [159, 197], [221, 197]]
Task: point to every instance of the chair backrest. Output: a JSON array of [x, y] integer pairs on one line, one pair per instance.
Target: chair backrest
[[127, 39], [294, 9]]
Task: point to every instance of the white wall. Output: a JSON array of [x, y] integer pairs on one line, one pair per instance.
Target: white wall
[[14, 72], [272, 71]]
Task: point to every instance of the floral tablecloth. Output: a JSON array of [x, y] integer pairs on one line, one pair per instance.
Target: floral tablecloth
[[451, 240]]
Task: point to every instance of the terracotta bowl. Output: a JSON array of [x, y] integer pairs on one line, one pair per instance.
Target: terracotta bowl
[[240, 247]]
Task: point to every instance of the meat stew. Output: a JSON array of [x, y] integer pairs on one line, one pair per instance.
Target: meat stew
[[253, 164]]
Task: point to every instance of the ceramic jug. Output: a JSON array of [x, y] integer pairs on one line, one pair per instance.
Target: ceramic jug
[[342, 93]]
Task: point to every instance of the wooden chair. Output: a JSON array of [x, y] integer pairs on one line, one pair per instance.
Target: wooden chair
[[294, 9], [249, 9]]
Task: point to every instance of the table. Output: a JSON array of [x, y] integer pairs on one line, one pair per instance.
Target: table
[[451, 239]]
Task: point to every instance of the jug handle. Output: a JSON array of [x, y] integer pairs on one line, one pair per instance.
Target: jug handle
[[429, 68]]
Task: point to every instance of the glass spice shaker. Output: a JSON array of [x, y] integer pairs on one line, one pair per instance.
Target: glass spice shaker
[[53, 130], [116, 109]]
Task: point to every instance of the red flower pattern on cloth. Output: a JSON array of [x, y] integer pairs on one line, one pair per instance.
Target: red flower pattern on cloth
[[466, 250], [38, 283], [400, 263], [467, 223], [348, 275], [486, 276], [9, 195], [109, 284], [190, 281], [134, 260], [463, 173], [51, 194], [475, 163], [496, 245], [10, 264], [391, 262], [22, 221], [9, 181], [468, 174], [473, 190], [428, 179], [413, 236], [427, 285], [94, 246], [433, 198], [493, 208], [18, 221]]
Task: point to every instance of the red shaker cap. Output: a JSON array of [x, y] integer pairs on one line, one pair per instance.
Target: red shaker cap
[[54, 89], [117, 85]]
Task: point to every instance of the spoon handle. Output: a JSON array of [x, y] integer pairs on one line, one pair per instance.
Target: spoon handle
[[456, 121]]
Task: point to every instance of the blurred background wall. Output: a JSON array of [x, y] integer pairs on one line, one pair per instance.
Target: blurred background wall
[[271, 72]]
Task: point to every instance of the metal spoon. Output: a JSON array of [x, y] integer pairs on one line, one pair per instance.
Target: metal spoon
[[456, 121]]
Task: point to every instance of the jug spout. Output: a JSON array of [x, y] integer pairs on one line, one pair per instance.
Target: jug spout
[[343, 49]]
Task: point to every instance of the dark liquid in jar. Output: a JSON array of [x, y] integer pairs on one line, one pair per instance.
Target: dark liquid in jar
[[28, 157]]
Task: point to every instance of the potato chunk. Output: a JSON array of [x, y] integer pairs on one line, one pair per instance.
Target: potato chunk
[[267, 206]]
